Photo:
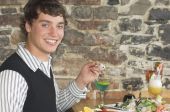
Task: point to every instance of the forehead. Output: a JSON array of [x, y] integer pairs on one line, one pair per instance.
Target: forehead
[[47, 17]]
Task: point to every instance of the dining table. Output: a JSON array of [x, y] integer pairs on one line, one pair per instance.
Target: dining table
[[110, 98], [91, 103]]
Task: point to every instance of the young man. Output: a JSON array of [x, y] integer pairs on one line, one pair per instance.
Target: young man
[[26, 79]]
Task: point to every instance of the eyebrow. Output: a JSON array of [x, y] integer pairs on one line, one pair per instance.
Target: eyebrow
[[50, 21], [61, 23]]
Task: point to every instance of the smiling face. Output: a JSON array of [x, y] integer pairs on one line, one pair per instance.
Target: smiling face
[[44, 35]]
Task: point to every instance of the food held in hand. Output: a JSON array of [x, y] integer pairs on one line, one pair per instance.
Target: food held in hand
[[102, 67]]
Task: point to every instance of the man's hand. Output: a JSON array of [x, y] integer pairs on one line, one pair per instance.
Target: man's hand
[[88, 74]]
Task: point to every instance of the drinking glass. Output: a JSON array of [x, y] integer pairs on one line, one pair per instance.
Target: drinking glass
[[102, 84], [153, 78], [155, 87]]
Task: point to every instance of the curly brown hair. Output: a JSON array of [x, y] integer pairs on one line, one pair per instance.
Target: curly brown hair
[[33, 7]]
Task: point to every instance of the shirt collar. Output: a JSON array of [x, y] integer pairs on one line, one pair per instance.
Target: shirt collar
[[32, 61]]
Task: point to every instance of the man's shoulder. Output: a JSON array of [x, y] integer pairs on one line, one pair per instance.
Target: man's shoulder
[[12, 61]]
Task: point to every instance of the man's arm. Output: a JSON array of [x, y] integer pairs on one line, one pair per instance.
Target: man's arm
[[77, 89], [66, 98], [13, 91]]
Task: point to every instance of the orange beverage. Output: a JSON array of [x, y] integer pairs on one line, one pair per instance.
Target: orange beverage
[[155, 90], [155, 87]]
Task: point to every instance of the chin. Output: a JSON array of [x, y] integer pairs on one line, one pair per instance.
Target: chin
[[49, 51], [52, 51]]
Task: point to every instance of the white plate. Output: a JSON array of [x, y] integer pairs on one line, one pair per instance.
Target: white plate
[[113, 106]]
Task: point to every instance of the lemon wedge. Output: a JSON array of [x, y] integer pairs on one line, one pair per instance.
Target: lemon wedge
[[87, 109]]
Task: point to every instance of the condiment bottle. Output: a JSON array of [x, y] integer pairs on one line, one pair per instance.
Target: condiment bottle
[[129, 95]]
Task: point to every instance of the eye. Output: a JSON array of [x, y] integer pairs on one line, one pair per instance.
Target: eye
[[60, 26], [45, 25]]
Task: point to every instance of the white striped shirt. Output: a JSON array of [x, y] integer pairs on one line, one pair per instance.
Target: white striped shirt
[[13, 87]]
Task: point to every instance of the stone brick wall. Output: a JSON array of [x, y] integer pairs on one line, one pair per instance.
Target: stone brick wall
[[128, 36]]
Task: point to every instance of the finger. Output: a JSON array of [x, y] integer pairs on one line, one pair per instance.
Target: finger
[[95, 72], [95, 68], [94, 64], [98, 67]]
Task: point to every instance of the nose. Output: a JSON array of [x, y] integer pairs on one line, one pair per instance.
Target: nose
[[53, 32]]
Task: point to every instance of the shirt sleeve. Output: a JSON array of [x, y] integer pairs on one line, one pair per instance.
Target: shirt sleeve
[[66, 98], [13, 90]]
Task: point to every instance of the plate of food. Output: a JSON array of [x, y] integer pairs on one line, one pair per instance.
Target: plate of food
[[102, 110], [116, 107], [138, 105], [143, 104]]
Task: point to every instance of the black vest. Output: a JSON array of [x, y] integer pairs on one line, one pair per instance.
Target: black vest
[[41, 95]]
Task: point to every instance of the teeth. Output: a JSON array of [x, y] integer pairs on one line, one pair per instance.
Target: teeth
[[51, 41]]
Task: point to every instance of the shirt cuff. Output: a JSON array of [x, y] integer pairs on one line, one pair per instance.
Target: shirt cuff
[[78, 92]]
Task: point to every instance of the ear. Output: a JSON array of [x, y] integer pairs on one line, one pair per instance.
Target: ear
[[27, 27]]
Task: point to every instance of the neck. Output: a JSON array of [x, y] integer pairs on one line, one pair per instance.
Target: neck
[[37, 54]]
